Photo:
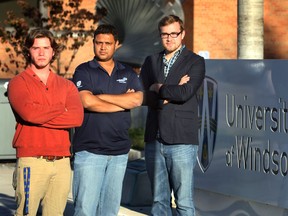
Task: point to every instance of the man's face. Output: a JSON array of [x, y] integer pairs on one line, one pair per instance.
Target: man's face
[[41, 52], [104, 47], [171, 37]]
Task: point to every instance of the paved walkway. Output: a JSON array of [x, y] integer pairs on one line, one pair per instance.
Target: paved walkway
[[8, 205]]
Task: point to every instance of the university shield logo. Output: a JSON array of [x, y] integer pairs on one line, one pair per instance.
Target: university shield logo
[[207, 114]]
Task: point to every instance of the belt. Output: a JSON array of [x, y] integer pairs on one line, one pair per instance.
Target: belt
[[52, 158]]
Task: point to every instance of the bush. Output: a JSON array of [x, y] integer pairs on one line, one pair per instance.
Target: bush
[[137, 138]]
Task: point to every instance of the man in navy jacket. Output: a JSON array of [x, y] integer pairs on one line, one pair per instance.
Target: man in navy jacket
[[171, 80]]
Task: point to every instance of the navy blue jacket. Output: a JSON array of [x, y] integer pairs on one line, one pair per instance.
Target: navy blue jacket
[[176, 121]]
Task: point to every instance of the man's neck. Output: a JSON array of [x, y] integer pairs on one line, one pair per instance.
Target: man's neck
[[42, 73], [108, 65], [169, 55]]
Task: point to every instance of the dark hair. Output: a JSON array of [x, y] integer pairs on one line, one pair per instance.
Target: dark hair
[[107, 29], [167, 20], [40, 33]]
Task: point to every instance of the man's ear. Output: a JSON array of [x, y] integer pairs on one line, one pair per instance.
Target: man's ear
[[183, 34], [117, 45]]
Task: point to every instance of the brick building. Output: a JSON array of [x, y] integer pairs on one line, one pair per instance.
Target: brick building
[[211, 26]]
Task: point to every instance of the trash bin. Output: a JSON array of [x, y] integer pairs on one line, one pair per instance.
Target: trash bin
[[7, 124]]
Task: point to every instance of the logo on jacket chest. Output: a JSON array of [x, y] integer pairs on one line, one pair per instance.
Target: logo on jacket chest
[[122, 80]]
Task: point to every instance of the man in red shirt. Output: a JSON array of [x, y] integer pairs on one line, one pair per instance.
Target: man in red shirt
[[45, 106]]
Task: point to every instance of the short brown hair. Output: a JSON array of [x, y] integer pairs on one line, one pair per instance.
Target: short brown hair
[[169, 20]]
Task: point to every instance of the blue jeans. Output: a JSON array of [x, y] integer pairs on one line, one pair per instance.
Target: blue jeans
[[170, 167], [97, 183]]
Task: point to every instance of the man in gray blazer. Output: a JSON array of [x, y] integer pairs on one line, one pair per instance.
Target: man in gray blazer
[[171, 79]]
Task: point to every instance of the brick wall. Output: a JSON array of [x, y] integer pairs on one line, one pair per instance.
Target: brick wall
[[214, 27], [276, 29], [211, 25]]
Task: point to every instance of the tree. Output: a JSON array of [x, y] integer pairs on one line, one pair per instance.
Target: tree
[[71, 24]]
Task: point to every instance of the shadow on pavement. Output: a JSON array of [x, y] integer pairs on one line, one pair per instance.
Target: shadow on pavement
[[7, 206], [69, 211], [141, 209]]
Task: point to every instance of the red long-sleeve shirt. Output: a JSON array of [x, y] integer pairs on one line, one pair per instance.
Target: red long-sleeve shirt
[[43, 113]]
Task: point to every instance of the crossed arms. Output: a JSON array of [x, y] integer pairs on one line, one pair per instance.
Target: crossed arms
[[156, 86], [29, 107], [111, 102]]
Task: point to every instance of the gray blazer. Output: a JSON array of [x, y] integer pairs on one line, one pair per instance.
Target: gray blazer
[[176, 121]]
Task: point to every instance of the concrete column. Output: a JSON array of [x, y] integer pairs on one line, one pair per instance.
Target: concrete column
[[250, 29]]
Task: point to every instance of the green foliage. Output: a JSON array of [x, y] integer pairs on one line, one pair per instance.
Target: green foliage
[[137, 138], [68, 25]]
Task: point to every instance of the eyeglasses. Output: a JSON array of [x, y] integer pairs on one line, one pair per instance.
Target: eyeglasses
[[172, 34]]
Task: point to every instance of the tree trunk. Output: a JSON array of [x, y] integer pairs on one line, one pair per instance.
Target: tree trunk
[[250, 29]]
